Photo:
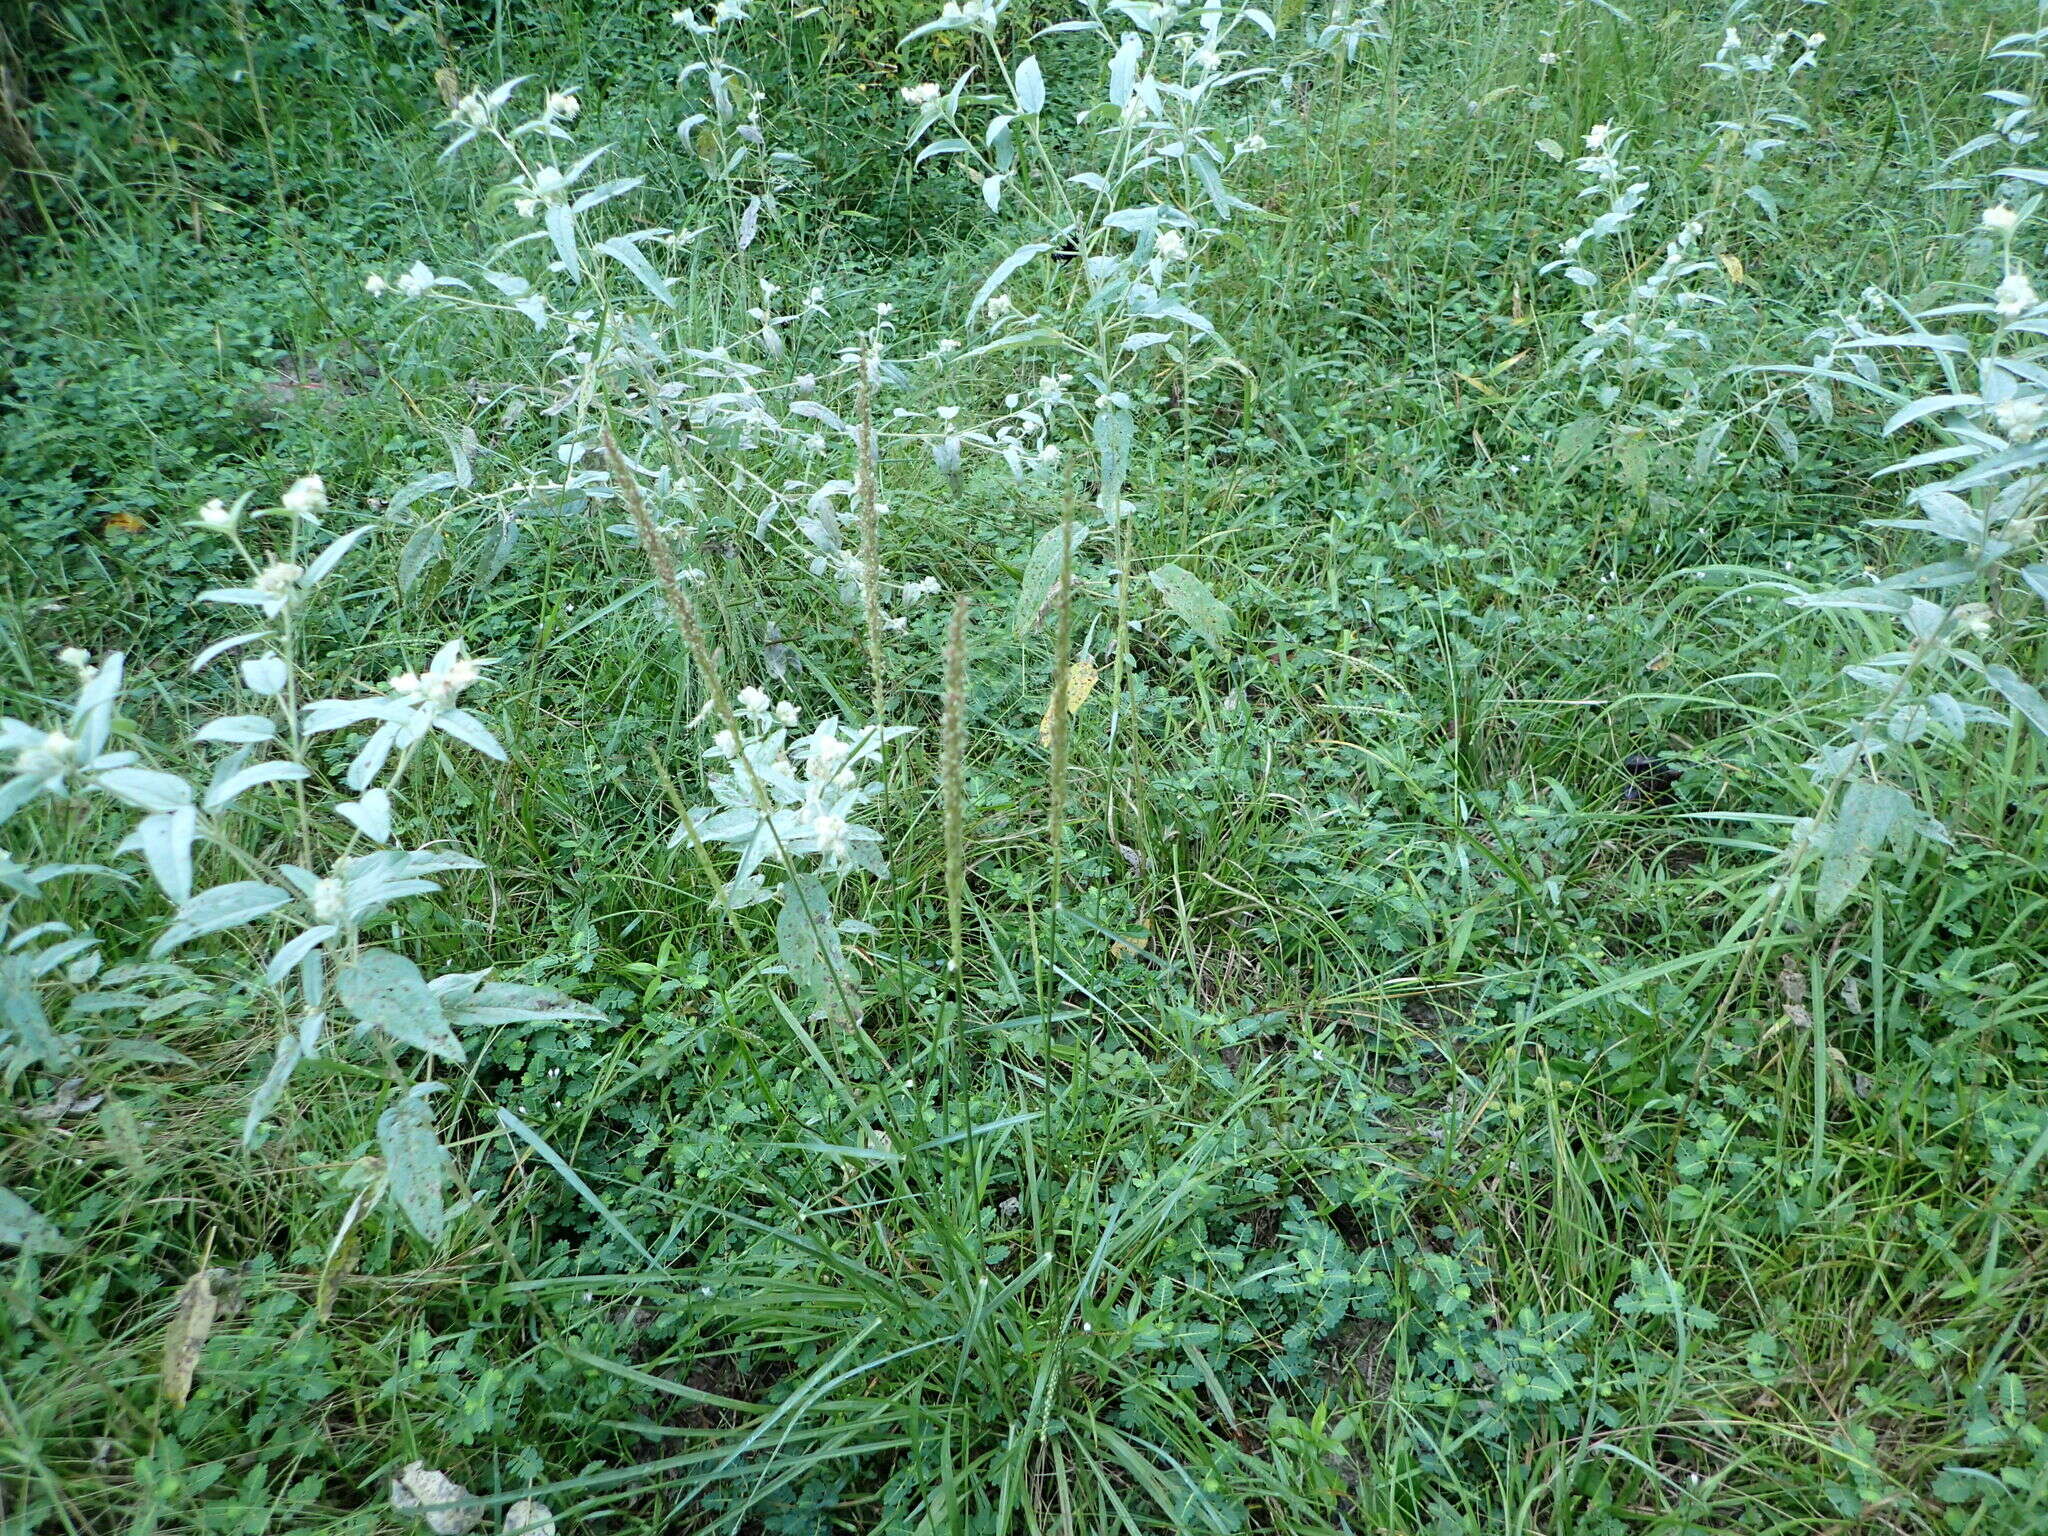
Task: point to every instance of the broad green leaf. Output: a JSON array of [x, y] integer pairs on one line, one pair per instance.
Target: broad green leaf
[[387, 992], [416, 1163], [1191, 601]]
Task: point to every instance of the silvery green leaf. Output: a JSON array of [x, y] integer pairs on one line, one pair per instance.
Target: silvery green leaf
[[222, 647], [604, 192], [328, 558], [416, 1163], [265, 674], [146, 789], [942, 147], [369, 761], [1004, 272], [23, 1226], [624, 250], [271, 1089], [165, 842], [256, 773], [475, 1001], [22, 1014], [238, 730], [224, 906], [750, 224], [2021, 694], [1123, 69], [370, 815], [237, 597], [807, 940], [1862, 824], [1030, 86], [470, 731], [1042, 574], [2036, 577], [339, 714], [296, 949], [426, 485], [92, 716], [1193, 603], [561, 226], [992, 192], [421, 551], [386, 992], [154, 1052]]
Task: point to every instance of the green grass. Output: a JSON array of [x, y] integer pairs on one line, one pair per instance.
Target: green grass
[[1381, 1118]]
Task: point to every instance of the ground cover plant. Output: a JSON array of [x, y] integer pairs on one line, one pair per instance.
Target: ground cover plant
[[1023, 766]]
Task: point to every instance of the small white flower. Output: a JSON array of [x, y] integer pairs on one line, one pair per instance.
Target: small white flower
[[563, 104], [1170, 245], [2019, 418], [1546, 58], [920, 95], [49, 759], [787, 713], [329, 901], [1973, 619], [217, 514], [375, 285], [277, 579], [830, 831], [1597, 139], [472, 112], [2015, 296], [1252, 144], [306, 495], [77, 658], [2001, 219], [1001, 304]]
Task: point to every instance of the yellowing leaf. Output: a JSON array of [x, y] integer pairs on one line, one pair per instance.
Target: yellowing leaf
[[1080, 682], [122, 524], [1732, 265], [186, 1337]]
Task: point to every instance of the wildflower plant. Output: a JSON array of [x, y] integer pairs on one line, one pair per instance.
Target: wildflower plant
[[247, 840], [1961, 621], [1131, 219]]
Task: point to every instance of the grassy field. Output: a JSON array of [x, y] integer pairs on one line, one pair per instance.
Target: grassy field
[[1450, 942]]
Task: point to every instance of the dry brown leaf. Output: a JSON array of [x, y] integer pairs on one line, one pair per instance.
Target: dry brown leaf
[[193, 1320]]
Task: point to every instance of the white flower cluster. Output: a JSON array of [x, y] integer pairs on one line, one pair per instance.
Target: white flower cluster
[[783, 800]]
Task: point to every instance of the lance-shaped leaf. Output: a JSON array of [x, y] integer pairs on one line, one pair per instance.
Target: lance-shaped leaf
[[1191, 601]]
